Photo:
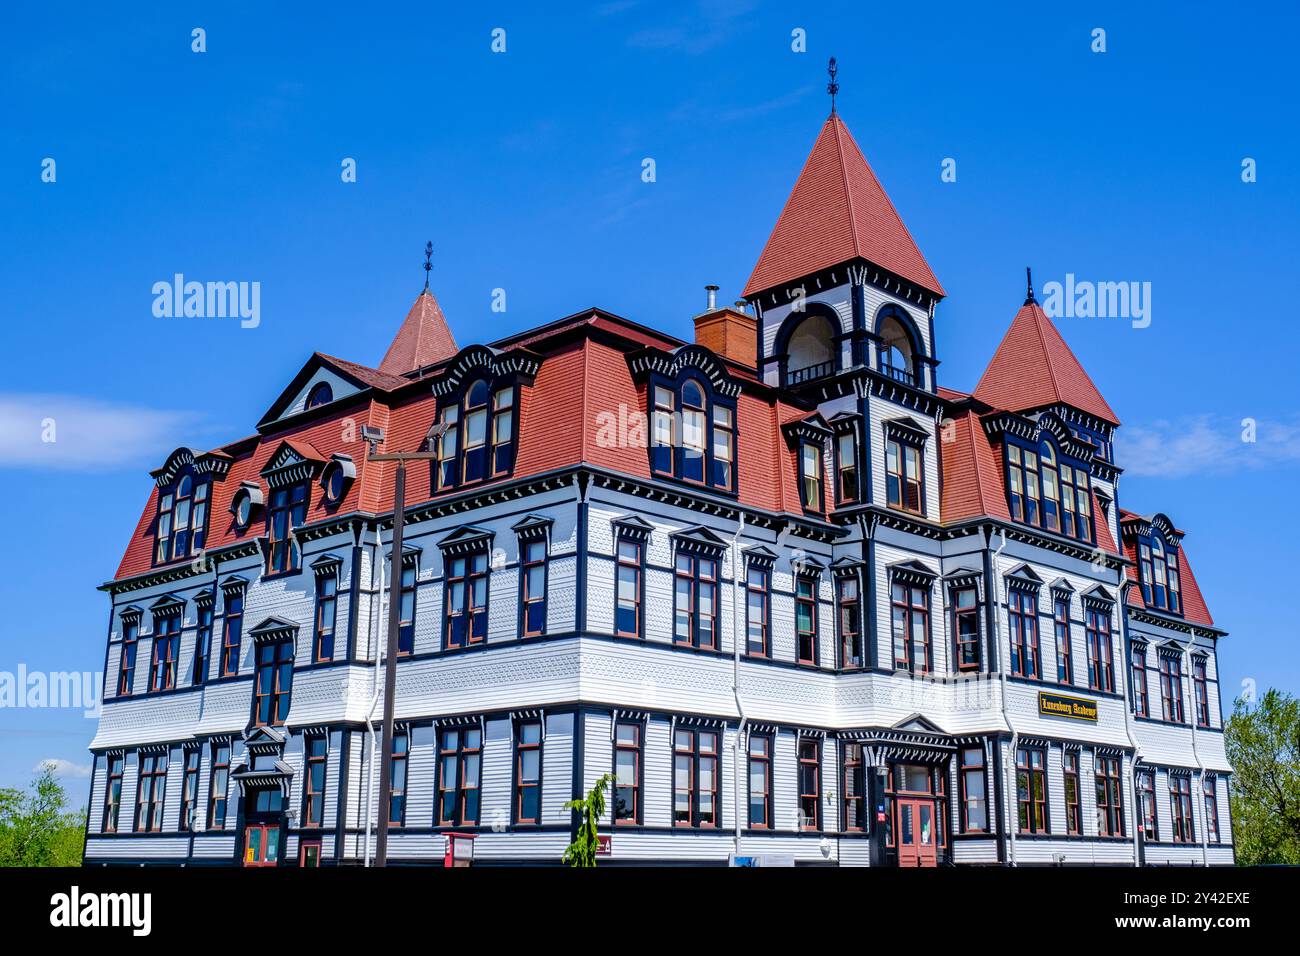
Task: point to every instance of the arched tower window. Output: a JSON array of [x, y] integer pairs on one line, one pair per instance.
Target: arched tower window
[[897, 354], [811, 352]]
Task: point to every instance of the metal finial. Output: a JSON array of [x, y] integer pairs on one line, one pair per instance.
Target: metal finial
[[832, 87], [1029, 286], [428, 263]]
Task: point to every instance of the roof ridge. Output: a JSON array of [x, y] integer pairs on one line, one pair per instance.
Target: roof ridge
[[1048, 359], [836, 125], [975, 462]]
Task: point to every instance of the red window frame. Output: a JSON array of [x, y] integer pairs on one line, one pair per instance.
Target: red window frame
[[760, 758], [460, 775], [629, 553], [627, 747], [1200, 685], [908, 603], [805, 610], [1211, 809], [848, 599], [1180, 805], [854, 786], [327, 592], [112, 791], [1146, 785], [966, 629], [695, 586], [532, 573], [151, 793], [189, 788], [166, 647], [847, 490], [1110, 797], [272, 682], [975, 769], [317, 753], [1101, 672], [218, 785], [204, 611], [533, 783], [1141, 699], [1022, 618], [1171, 688], [1031, 797], [467, 575], [398, 776], [1061, 628], [810, 783], [1070, 772], [231, 633], [127, 656], [695, 760], [905, 490]]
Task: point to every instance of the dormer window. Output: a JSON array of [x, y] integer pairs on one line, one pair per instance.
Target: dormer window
[[320, 394], [182, 519], [287, 511], [693, 435], [1048, 491], [810, 475], [479, 437], [903, 474], [1158, 572]]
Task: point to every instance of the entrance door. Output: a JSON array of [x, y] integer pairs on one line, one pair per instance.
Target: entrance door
[[916, 834], [262, 845]]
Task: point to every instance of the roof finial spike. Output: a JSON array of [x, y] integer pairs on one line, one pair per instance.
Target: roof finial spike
[[832, 87], [428, 263], [1029, 286]]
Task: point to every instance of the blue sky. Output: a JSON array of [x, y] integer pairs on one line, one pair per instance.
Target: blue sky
[[524, 168]]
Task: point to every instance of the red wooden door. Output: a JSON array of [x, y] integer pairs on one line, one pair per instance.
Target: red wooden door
[[916, 832]]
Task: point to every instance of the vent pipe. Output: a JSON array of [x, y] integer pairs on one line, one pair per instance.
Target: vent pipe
[[712, 291]]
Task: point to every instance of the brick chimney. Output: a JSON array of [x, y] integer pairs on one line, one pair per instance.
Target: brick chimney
[[727, 332]]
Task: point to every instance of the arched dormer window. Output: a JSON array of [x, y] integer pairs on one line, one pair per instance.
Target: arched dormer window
[[1158, 573], [182, 518], [320, 394], [693, 433], [1048, 490], [811, 350], [478, 441]]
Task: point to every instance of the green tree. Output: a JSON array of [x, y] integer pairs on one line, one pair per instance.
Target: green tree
[[582, 851], [36, 826], [1263, 744]]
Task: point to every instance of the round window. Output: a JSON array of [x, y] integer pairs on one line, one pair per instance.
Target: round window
[[334, 482], [243, 510]]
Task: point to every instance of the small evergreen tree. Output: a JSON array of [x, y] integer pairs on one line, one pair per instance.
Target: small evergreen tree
[[582, 851]]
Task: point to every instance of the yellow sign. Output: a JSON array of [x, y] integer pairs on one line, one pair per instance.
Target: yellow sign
[[1062, 705]]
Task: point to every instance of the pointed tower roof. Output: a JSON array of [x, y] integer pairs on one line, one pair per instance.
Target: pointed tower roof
[[423, 339], [1033, 368], [838, 211]]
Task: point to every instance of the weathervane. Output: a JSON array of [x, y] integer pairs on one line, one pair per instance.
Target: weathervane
[[1029, 286], [832, 87], [428, 263]]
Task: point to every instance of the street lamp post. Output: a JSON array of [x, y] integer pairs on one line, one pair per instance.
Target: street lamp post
[[394, 621]]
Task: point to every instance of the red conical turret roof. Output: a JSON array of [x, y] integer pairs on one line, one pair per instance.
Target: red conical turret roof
[[424, 338]]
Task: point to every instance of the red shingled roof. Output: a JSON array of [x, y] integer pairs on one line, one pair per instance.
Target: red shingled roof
[[972, 474], [837, 212], [423, 339], [1034, 368]]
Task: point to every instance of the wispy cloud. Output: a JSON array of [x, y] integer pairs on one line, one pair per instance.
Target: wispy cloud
[[712, 24], [73, 433], [64, 768], [1206, 445]]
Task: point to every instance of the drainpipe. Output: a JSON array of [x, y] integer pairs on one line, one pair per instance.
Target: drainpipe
[[736, 634], [1010, 782], [1191, 698], [1128, 722], [378, 607]]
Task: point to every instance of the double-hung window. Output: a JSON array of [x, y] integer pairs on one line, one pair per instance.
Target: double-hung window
[[1073, 815], [1031, 789], [1061, 625], [287, 512], [1101, 673], [847, 491], [1171, 688], [112, 792], [166, 645], [126, 658], [313, 811], [904, 479], [692, 434], [974, 791], [854, 788], [151, 792], [189, 788], [1200, 686], [627, 772], [202, 638], [406, 609], [532, 577], [909, 606], [397, 778], [1022, 615], [219, 782], [966, 629], [1110, 808], [760, 781], [467, 581], [273, 682], [460, 761], [695, 594], [1180, 805], [627, 606], [695, 778], [850, 605], [327, 587], [758, 588], [810, 476], [1211, 808], [1146, 787], [231, 630], [805, 618], [182, 519], [528, 772], [1141, 705], [810, 783]]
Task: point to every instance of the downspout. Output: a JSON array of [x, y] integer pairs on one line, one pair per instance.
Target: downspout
[[1128, 723], [1010, 780], [1187, 676], [378, 606], [736, 634]]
